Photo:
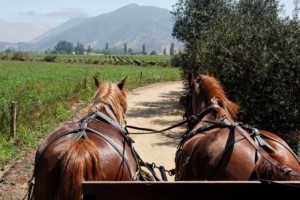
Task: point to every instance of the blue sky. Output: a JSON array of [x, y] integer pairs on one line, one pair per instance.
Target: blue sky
[[34, 10], [23, 20]]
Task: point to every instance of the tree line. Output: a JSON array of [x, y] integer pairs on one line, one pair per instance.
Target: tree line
[[66, 47]]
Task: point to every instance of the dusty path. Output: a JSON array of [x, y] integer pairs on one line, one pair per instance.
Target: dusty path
[[155, 106]]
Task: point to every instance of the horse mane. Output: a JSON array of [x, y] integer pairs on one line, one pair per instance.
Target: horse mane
[[214, 89], [110, 97]]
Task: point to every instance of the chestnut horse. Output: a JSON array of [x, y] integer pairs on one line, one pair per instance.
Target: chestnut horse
[[96, 148], [215, 147]]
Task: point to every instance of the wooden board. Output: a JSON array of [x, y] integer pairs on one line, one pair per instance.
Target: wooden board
[[189, 190]]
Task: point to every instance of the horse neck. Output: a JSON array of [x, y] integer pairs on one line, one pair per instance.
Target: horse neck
[[116, 115], [113, 113], [216, 113], [202, 122]]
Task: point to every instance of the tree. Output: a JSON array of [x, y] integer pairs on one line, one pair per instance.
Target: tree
[[130, 51], [153, 53], [165, 51], [144, 52], [193, 18], [172, 49], [125, 48], [252, 50], [9, 50], [89, 49], [79, 49], [63, 47]]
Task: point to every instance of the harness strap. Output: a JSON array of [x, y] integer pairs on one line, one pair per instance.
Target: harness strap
[[283, 144], [256, 134], [113, 145], [286, 170], [187, 136], [125, 133], [191, 134], [142, 163], [107, 119], [228, 146], [262, 148]]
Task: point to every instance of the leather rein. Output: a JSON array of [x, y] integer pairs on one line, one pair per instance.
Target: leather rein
[[151, 131], [192, 118]]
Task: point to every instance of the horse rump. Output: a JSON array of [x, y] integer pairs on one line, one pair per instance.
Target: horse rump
[[79, 162]]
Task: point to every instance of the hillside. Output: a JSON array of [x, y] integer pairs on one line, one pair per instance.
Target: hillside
[[132, 24]]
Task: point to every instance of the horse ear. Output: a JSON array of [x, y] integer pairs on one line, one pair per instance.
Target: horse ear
[[122, 83], [97, 82]]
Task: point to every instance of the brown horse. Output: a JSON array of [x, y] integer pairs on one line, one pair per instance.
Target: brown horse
[[95, 148], [215, 147]]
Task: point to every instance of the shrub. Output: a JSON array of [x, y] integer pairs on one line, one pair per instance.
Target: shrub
[[3, 56], [252, 51], [21, 56], [49, 58]]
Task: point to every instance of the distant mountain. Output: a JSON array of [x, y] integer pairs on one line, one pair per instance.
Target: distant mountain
[[132, 24], [58, 30]]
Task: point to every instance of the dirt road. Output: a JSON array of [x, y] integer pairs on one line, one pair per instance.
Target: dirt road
[[155, 106]]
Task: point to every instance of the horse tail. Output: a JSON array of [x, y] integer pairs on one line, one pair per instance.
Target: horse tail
[[80, 161]]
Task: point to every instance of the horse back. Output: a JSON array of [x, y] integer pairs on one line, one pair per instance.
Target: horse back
[[113, 158], [115, 147], [217, 154]]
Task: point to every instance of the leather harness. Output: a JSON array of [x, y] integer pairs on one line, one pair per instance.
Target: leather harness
[[81, 132], [254, 138]]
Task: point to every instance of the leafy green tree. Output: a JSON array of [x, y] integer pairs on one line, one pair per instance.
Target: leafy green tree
[[144, 52], [125, 48], [153, 53], [130, 51], [172, 50], [254, 53], [9, 51], [193, 18], [63, 47], [79, 49], [89, 49]]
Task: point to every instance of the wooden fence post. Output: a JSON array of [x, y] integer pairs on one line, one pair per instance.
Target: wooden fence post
[[13, 123]]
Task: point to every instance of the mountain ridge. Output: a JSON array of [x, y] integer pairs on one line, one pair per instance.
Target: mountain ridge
[[132, 24]]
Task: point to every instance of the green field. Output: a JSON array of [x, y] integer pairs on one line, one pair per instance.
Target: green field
[[96, 59], [45, 93]]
